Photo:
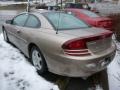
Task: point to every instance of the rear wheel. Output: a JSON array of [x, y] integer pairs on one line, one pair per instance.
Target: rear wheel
[[38, 60], [104, 79], [5, 35]]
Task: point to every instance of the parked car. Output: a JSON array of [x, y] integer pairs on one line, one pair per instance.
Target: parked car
[[60, 43], [77, 5], [44, 6], [92, 18], [55, 8]]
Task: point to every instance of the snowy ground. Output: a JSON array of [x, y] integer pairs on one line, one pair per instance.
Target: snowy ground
[[114, 71], [105, 9], [16, 73]]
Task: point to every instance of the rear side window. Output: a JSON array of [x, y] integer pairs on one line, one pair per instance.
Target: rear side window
[[20, 20], [33, 22]]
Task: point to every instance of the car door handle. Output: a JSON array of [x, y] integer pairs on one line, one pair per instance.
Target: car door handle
[[18, 31]]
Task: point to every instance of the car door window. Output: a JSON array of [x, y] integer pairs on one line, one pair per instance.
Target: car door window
[[33, 22], [20, 20]]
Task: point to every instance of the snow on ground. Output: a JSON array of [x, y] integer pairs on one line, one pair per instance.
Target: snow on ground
[[114, 70], [16, 73]]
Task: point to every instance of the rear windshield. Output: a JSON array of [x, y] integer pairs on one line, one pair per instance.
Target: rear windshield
[[63, 21], [90, 14]]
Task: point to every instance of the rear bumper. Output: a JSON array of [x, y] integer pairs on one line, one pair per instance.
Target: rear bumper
[[79, 67]]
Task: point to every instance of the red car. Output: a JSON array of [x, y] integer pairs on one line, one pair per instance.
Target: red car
[[92, 18]]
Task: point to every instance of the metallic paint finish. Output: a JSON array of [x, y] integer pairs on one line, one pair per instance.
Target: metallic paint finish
[[46, 39]]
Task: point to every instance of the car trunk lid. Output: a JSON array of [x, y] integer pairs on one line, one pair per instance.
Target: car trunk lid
[[87, 41], [84, 32]]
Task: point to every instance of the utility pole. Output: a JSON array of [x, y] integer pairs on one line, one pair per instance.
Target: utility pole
[[56, 2], [36, 1], [61, 4], [28, 6]]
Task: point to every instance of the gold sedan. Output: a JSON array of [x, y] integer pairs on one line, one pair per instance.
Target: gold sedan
[[60, 43]]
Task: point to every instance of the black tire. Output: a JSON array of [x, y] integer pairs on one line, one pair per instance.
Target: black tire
[[104, 79], [5, 35], [41, 70], [100, 78]]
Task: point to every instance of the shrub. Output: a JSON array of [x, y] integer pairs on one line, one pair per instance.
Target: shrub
[[116, 25]]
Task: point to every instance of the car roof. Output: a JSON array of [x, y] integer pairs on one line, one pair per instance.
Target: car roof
[[34, 11], [41, 12]]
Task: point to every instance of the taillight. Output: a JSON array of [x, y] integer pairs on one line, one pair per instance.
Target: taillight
[[78, 47], [75, 44]]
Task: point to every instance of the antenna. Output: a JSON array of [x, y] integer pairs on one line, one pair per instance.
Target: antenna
[[61, 4], [58, 23]]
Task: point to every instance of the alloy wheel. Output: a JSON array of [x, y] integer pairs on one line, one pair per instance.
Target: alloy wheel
[[37, 59]]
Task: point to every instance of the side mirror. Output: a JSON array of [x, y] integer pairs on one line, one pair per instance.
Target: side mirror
[[9, 21]]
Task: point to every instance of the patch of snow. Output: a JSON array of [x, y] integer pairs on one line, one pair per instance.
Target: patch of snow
[[114, 70], [98, 87], [16, 73]]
